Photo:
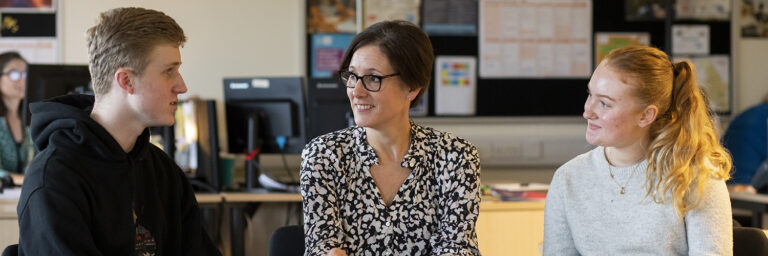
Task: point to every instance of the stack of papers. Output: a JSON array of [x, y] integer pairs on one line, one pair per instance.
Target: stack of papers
[[520, 191]]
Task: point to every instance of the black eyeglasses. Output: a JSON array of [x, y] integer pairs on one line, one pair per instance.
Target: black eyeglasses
[[16, 75], [372, 83]]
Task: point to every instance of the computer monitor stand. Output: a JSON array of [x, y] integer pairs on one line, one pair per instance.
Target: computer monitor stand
[[252, 164]]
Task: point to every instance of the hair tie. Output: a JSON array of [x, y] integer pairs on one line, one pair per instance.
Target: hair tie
[[675, 71]]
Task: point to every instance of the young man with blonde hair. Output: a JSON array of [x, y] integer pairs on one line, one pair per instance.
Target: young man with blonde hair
[[98, 187]]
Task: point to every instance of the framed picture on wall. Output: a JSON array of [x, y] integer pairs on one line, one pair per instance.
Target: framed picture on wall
[[714, 76], [30, 28], [28, 6], [754, 18], [645, 10], [336, 16]]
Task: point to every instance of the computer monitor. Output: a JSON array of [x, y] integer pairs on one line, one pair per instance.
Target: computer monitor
[[206, 177], [278, 104], [327, 106], [196, 134], [267, 115], [48, 81]]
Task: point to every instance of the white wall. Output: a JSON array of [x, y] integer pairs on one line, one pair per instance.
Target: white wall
[[750, 59], [752, 72], [226, 38]]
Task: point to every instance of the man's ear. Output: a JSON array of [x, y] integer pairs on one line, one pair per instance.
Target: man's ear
[[648, 116], [124, 78]]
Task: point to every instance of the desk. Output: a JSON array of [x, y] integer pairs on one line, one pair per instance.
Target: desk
[[237, 201], [9, 221], [757, 203], [503, 228], [261, 197], [205, 198], [510, 228]]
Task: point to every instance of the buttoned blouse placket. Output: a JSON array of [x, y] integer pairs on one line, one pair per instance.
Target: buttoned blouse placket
[[391, 216]]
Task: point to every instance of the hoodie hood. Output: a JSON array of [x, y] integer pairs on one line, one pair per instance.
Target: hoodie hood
[[65, 122]]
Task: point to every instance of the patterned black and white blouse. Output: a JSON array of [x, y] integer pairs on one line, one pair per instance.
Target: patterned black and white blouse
[[433, 213]]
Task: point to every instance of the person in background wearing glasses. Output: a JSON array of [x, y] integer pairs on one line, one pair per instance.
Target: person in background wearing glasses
[[655, 185], [16, 148], [389, 186]]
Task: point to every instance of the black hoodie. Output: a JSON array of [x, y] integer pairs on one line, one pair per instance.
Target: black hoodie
[[80, 191]]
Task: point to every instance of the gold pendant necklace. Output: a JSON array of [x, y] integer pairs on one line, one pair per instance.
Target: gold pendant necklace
[[623, 188]]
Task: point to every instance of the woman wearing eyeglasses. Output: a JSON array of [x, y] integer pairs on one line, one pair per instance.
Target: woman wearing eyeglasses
[[389, 186], [15, 143]]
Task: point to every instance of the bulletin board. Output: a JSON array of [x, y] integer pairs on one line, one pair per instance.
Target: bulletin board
[[648, 21], [30, 28]]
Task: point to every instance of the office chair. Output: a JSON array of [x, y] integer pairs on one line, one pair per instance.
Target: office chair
[[749, 241], [11, 250], [287, 241]]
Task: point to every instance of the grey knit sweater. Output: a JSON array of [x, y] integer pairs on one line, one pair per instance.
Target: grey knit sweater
[[585, 214]]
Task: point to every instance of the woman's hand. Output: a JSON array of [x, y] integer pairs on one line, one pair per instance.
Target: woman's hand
[[18, 179], [336, 252], [741, 188]]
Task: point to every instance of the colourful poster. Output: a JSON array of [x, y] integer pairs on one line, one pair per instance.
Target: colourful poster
[[331, 16], [27, 6], [713, 75], [380, 10], [605, 42], [455, 85], [327, 51]]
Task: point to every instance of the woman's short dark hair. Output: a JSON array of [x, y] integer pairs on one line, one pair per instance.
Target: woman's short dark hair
[[5, 58], [406, 46]]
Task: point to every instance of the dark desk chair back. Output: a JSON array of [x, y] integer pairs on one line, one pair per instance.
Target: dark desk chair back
[[749, 241], [11, 250], [287, 241]]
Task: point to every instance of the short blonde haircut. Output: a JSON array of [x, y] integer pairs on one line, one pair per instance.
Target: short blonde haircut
[[124, 38], [685, 150]]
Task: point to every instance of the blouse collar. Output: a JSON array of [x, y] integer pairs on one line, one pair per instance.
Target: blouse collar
[[413, 157]]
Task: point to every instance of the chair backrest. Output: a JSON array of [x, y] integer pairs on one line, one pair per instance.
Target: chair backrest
[[287, 241], [749, 241], [11, 250]]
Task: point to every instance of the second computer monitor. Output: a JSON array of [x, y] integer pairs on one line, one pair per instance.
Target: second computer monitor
[[276, 109], [48, 81], [328, 107]]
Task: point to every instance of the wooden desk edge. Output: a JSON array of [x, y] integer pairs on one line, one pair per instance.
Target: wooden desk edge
[[516, 205], [754, 198], [203, 198], [261, 197]]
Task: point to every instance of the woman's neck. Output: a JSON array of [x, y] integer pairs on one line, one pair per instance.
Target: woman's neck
[[626, 155], [390, 142], [12, 106]]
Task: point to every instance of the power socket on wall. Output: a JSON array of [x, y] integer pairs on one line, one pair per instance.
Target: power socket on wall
[[517, 150], [509, 142]]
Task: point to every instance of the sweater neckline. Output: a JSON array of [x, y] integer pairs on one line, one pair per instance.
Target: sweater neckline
[[626, 170]]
